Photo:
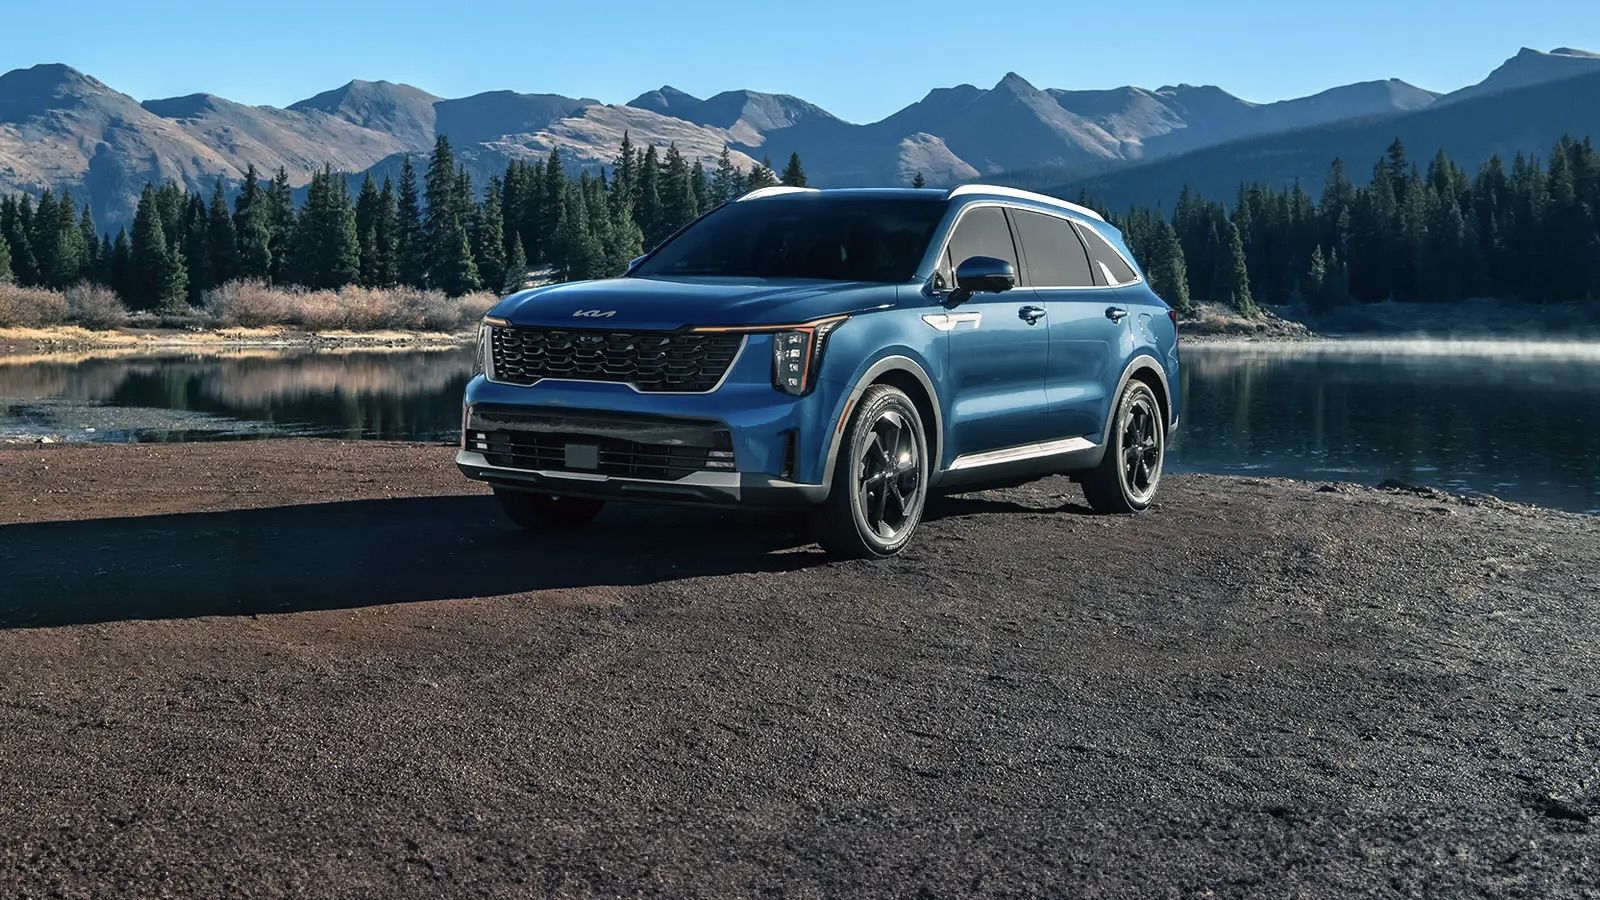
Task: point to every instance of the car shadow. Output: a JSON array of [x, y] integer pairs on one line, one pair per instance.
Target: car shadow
[[361, 553]]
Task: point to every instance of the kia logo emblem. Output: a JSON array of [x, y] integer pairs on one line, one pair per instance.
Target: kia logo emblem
[[594, 313]]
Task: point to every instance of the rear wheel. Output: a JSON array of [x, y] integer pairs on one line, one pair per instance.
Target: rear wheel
[[1129, 473], [880, 481], [542, 512]]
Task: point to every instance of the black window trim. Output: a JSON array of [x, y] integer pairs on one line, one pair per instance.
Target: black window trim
[[1023, 279]]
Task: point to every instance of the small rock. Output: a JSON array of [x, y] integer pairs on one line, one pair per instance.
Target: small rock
[[1557, 808]]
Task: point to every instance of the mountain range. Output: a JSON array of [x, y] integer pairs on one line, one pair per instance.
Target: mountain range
[[63, 129]]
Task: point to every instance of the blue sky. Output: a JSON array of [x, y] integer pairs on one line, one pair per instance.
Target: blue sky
[[861, 60]]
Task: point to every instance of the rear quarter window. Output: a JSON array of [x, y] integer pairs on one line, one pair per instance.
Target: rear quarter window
[[1108, 263]]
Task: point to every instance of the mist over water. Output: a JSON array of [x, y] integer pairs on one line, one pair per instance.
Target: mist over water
[[1519, 420]]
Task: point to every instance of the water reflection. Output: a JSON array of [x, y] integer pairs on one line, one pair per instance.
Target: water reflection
[[1524, 425], [1521, 425], [411, 394]]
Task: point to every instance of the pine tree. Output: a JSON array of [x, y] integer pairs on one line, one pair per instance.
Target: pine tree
[[252, 228], [625, 170], [119, 268], [411, 249], [196, 250], [59, 243], [388, 229], [451, 267], [92, 242], [678, 202], [648, 208], [552, 199], [153, 268], [1169, 275], [326, 251], [175, 286], [700, 187], [5, 259], [794, 175], [727, 183], [759, 176], [626, 238], [917, 181], [578, 255], [516, 267], [279, 221], [1237, 276], [367, 212], [223, 240], [17, 223], [488, 238]]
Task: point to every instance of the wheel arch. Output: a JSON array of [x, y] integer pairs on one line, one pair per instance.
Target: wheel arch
[[910, 377], [1147, 369]]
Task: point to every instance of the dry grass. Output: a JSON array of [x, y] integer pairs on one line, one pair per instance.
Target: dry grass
[[64, 334]]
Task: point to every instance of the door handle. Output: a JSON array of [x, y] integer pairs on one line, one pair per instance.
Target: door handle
[[1116, 313], [1031, 314]]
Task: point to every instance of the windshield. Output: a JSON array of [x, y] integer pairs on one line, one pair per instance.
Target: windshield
[[833, 237]]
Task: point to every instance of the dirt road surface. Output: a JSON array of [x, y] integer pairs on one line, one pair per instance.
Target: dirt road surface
[[322, 669]]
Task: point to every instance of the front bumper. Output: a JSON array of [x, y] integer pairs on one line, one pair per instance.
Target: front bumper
[[651, 447], [718, 488]]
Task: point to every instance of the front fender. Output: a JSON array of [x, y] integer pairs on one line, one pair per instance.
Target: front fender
[[864, 350]]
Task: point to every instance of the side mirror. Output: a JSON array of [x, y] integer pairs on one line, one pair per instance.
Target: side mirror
[[984, 275], [634, 263]]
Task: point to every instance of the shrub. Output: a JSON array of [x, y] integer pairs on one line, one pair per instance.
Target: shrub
[[247, 303], [22, 307], [251, 303], [96, 306]]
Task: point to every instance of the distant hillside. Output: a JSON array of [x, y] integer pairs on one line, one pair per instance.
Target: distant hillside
[[1527, 120], [64, 130]]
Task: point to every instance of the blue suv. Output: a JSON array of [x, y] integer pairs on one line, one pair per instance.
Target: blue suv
[[846, 351]]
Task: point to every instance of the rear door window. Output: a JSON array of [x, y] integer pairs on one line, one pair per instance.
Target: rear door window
[[1056, 258]]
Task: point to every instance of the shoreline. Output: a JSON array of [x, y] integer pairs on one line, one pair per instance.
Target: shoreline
[[74, 339]]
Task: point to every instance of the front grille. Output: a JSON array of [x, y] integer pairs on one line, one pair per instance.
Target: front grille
[[652, 361], [627, 446]]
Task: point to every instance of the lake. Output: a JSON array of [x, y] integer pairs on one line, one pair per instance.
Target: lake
[[1519, 421]]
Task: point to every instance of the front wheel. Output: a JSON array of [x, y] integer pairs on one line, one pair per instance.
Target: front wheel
[[880, 481], [543, 512], [1136, 449]]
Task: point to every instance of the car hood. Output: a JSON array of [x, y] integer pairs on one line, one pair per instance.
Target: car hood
[[670, 303]]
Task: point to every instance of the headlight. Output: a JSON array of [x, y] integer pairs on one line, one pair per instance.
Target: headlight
[[797, 355], [796, 349], [481, 363]]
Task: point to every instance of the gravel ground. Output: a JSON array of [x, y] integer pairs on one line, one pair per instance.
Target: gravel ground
[[321, 669]]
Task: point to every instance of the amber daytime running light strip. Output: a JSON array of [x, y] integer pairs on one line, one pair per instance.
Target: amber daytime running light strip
[[751, 329]]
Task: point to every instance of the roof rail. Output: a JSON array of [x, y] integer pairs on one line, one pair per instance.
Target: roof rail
[[965, 189], [775, 190]]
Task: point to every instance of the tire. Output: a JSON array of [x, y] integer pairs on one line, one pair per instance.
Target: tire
[[1128, 475], [880, 480], [543, 512]]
